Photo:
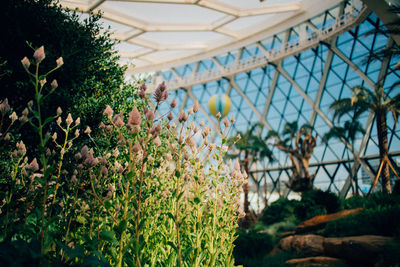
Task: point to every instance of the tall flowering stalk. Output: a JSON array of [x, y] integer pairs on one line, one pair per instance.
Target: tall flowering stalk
[[149, 190]]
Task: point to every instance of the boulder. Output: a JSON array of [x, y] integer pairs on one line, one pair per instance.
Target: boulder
[[310, 245], [361, 249], [316, 261], [318, 222]]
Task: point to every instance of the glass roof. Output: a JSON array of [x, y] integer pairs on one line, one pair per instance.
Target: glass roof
[[158, 34]]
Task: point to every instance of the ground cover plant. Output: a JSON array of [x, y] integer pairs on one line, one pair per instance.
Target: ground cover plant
[[148, 189]]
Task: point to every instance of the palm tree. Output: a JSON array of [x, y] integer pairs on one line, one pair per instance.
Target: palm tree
[[299, 144], [348, 134], [248, 149], [380, 104]]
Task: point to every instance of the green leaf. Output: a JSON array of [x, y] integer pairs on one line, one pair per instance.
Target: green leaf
[[173, 246], [108, 236], [197, 200], [177, 173], [130, 175], [49, 119], [169, 214], [81, 219]]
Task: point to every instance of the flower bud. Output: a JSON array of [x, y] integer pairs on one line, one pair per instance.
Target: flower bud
[[54, 84], [69, 120], [170, 116], [13, 117], [77, 121], [136, 148], [4, 107], [196, 107], [173, 104], [150, 115], [33, 166], [39, 54], [108, 111], [54, 137], [157, 141], [88, 130], [226, 122], [60, 62], [25, 62], [59, 111]]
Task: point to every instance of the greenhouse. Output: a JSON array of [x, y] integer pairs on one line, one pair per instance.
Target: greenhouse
[[200, 133]]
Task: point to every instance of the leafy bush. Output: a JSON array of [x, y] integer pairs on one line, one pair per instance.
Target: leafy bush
[[90, 76], [378, 199], [374, 221], [252, 244], [280, 210], [316, 202]]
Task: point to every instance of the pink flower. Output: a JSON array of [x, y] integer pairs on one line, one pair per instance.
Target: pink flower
[[196, 107], [190, 142], [60, 62], [33, 166], [25, 62], [88, 130], [69, 120], [150, 115], [173, 104], [136, 148], [119, 120], [39, 54], [13, 117], [4, 107], [73, 179], [157, 141], [170, 116], [54, 84], [226, 122], [108, 111], [135, 118], [85, 152], [160, 93], [182, 117]]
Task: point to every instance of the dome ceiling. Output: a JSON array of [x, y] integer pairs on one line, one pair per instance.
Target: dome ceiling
[[163, 33]]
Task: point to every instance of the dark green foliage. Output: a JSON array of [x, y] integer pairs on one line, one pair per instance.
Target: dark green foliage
[[252, 244], [390, 257], [316, 202], [276, 260], [375, 221], [376, 200], [280, 210], [90, 75]]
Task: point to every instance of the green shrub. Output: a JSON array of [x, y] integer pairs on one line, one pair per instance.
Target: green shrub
[[280, 210], [252, 244], [376, 200], [316, 202], [90, 76], [375, 221]]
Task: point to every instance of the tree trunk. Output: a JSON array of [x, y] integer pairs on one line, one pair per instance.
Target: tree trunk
[[383, 149]]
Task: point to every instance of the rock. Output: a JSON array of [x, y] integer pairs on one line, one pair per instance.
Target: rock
[[311, 245], [319, 221], [361, 249], [285, 234], [316, 261]]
